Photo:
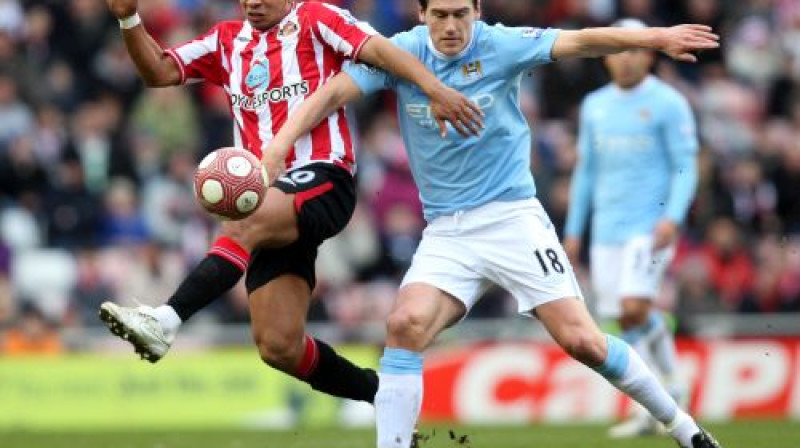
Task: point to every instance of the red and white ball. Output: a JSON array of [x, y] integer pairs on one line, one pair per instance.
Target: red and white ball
[[230, 183]]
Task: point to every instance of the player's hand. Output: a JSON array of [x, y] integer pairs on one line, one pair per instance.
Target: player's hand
[[449, 105], [678, 42], [572, 247], [665, 233], [274, 162], [122, 8]]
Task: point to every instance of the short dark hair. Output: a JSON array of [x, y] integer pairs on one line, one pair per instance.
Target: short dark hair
[[424, 4]]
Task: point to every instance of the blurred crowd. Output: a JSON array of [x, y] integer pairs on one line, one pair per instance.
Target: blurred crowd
[[95, 170]]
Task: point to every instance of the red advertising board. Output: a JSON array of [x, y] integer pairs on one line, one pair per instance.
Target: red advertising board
[[509, 382]]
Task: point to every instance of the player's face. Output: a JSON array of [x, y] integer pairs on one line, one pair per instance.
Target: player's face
[[263, 14], [629, 68], [450, 24]]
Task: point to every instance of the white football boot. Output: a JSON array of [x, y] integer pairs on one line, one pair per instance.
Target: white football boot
[[140, 327]]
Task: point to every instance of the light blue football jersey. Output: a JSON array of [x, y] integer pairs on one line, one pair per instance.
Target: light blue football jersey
[[637, 161], [455, 173]]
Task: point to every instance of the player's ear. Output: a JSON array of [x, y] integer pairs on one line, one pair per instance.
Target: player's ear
[[421, 14]]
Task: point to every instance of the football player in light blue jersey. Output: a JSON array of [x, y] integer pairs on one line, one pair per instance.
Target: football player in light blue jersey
[[637, 174], [485, 225]]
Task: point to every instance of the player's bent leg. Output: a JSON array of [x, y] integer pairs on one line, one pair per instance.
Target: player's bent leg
[[635, 312], [278, 312], [648, 334], [569, 323], [151, 330], [420, 312]]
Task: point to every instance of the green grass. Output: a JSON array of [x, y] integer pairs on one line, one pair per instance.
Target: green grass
[[749, 434]]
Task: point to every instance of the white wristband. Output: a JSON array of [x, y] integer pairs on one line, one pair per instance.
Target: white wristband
[[130, 22]]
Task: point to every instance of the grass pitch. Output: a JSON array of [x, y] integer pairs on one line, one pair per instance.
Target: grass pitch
[[743, 434]]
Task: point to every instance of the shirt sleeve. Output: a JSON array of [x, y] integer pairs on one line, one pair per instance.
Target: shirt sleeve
[[580, 195], [681, 137], [339, 29], [199, 59], [526, 47], [370, 79]]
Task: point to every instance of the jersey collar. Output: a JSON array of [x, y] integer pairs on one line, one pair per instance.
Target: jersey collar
[[461, 54], [639, 88]]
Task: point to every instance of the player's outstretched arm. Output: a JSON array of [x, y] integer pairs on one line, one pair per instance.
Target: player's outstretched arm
[[154, 66], [338, 91], [446, 104], [678, 42]]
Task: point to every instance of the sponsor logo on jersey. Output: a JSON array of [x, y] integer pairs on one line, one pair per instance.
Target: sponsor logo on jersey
[[634, 143], [422, 111], [472, 70], [276, 95], [258, 75], [288, 29]]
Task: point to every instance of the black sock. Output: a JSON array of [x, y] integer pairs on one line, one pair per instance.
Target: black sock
[[210, 279], [339, 377]]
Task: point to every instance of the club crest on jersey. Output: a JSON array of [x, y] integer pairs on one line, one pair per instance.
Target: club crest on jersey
[[288, 29], [258, 75], [472, 70], [645, 115]]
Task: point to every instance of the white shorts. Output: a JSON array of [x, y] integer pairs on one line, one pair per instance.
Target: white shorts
[[627, 270], [510, 244]]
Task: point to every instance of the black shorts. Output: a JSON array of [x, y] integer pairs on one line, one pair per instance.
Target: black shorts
[[325, 197]]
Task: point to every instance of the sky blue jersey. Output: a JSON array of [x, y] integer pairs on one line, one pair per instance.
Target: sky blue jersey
[[457, 173], [637, 163]]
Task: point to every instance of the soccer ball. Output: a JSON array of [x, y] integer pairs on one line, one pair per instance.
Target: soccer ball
[[230, 183]]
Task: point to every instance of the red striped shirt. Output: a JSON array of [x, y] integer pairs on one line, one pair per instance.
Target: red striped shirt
[[268, 74]]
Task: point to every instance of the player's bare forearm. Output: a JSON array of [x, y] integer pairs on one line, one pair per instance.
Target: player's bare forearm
[[155, 67], [677, 42], [335, 93], [380, 52], [446, 104]]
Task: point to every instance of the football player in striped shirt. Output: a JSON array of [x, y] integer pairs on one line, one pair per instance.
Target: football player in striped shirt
[[268, 64]]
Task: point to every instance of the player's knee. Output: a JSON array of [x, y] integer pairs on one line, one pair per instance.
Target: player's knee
[[244, 235], [279, 351], [407, 325], [635, 313], [587, 347]]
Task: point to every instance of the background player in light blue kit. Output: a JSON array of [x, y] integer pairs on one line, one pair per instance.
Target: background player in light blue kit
[[637, 173], [485, 224]]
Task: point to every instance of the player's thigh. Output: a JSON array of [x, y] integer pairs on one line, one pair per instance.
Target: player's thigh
[[446, 263], [274, 223], [643, 268], [606, 268], [310, 203], [419, 314], [524, 256], [278, 314]]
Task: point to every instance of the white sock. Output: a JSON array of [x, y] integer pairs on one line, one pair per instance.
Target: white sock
[[625, 369], [399, 398], [169, 319], [656, 346], [663, 353], [682, 428]]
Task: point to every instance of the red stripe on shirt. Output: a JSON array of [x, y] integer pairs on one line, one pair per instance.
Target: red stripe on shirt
[[279, 109], [252, 141]]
